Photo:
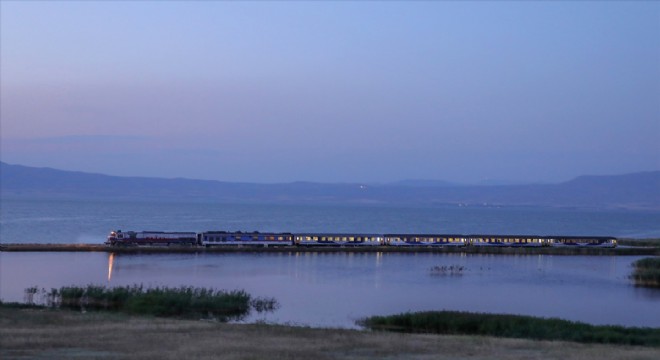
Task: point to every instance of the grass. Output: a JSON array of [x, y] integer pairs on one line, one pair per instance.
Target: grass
[[512, 326], [185, 302], [52, 333], [646, 272], [451, 270], [640, 242]]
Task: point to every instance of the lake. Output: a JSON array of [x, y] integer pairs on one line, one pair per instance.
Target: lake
[[322, 289], [59, 221], [335, 289]]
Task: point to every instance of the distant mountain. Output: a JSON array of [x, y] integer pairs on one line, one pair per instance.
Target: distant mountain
[[631, 191], [423, 183]]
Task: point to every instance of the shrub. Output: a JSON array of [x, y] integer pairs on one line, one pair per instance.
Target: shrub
[[186, 302], [646, 272], [511, 326]]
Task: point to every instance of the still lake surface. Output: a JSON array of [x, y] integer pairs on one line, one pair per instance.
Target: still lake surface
[[320, 289]]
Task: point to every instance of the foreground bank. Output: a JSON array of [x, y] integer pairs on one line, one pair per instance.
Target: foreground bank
[[33, 333]]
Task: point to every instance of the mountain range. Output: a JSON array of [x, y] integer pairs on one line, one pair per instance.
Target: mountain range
[[630, 191]]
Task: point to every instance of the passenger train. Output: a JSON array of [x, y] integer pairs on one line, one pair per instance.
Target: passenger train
[[266, 239]]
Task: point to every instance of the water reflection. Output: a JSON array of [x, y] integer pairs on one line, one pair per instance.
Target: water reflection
[[315, 288], [648, 293], [111, 260]]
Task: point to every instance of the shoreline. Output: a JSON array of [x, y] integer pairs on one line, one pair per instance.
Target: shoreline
[[65, 334], [631, 250]]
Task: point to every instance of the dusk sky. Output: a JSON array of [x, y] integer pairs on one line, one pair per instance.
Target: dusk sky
[[332, 91]]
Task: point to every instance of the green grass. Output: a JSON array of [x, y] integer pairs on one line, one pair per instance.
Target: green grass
[[511, 326], [183, 302], [647, 272]]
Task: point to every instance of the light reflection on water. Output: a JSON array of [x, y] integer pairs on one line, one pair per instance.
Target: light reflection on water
[[335, 289], [111, 261]]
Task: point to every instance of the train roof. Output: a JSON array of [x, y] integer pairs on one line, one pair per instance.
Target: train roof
[[426, 235], [336, 234], [540, 236], [246, 232]]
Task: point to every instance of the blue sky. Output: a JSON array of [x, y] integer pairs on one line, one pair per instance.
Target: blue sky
[[332, 91]]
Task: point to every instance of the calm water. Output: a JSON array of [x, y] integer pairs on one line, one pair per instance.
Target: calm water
[[89, 222], [336, 289]]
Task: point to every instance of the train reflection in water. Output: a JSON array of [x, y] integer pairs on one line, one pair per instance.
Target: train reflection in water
[[265, 239]]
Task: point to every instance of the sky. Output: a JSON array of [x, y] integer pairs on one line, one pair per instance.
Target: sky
[[332, 91]]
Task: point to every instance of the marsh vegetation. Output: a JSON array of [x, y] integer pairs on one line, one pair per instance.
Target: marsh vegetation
[[447, 270], [646, 272], [30, 333], [183, 302], [511, 326]]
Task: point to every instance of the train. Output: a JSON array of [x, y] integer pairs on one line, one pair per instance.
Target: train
[[266, 239]]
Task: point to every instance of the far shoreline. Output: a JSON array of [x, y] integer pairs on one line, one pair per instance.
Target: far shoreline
[[618, 251]]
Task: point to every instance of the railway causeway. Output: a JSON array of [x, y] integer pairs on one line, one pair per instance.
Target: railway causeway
[[620, 250]]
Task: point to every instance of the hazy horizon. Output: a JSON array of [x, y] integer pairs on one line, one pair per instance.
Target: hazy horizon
[[372, 92]]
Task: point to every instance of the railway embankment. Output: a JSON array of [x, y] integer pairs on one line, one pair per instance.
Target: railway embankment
[[621, 250]]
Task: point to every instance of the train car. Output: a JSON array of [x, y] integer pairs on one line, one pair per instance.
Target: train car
[[134, 238], [582, 241], [425, 240], [507, 240], [238, 238], [337, 239]]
